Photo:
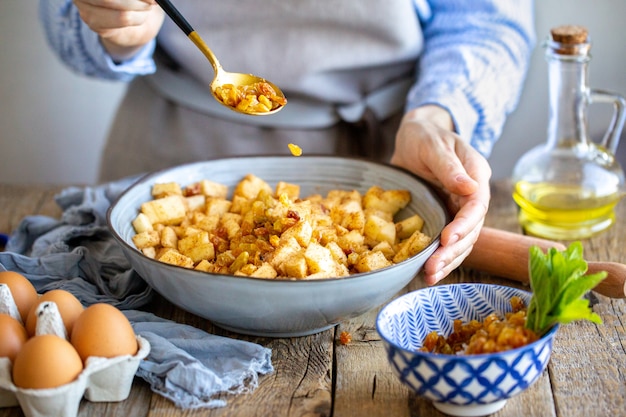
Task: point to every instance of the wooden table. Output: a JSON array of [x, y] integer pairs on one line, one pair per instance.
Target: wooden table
[[318, 376]]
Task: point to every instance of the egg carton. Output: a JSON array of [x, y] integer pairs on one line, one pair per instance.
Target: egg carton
[[102, 380]]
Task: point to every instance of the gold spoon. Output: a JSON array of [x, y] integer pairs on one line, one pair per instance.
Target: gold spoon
[[222, 78]]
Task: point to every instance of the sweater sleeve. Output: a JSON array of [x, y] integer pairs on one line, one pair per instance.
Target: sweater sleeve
[[475, 59], [80, 49]]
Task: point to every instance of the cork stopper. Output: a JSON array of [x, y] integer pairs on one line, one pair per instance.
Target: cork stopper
[[569, 34], [570, 39]]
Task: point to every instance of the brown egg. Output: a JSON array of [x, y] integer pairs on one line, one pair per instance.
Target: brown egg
[[22, 290], [13, 336], [46, 361], [104, 331], [69, 307]]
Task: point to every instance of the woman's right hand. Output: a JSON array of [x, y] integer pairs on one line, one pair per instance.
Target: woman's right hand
[[124, 26]]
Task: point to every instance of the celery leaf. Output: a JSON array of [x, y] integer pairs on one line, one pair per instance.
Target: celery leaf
[[558, 283]]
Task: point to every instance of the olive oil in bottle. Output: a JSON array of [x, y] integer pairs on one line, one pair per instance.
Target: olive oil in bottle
[[563, 212], [567, 188]]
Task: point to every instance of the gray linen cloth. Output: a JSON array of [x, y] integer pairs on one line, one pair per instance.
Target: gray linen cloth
[[189, 366]]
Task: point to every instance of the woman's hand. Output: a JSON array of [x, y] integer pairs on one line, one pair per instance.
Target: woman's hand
[[427, 146], [124, 26]]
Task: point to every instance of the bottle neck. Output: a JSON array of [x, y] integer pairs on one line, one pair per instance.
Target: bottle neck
[[568, 96]]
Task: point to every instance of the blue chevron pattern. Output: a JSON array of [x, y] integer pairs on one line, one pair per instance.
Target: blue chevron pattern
[[462, 380]]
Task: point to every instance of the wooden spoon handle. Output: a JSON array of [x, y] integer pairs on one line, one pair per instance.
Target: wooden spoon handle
[[505, 254]]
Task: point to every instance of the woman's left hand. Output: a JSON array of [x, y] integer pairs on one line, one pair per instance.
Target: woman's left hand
[[427, 146]]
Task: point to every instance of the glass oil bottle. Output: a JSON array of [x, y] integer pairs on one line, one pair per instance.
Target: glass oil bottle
[[567, 188]]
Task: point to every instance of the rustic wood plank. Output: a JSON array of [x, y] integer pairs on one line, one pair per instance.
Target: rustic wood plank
[[365, 383], [18, 202], [587, 373], [300, 385], [595, 387], [136, 405], [11, 412]]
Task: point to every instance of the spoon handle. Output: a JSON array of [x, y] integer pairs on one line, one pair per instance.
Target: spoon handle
[[175, 15], [182, 23]]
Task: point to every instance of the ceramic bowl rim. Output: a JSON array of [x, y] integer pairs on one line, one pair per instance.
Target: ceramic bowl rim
[[142, 179], [462, 357]]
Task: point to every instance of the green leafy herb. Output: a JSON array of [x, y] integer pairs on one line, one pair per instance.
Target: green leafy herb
[[558, 283]]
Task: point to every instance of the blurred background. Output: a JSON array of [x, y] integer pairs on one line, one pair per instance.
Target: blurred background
[[53, 123]]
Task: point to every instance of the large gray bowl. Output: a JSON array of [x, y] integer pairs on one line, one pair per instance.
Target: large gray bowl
[[280, 307]]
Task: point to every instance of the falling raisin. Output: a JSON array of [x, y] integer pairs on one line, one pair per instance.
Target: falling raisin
[[345, 338]]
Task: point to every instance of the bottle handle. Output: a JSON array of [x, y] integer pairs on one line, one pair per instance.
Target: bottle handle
[[612, 135]]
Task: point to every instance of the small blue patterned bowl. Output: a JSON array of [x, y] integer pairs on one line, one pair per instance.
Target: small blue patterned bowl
[[459, 385]]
